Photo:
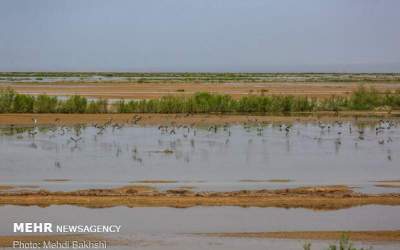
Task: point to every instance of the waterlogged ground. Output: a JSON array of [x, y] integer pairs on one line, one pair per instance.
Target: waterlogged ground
[[204, 158], [169, 228]]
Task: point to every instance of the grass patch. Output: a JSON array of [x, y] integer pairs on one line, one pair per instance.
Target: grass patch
[[344, 244]]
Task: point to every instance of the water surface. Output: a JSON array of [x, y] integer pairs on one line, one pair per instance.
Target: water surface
[[229, 158]]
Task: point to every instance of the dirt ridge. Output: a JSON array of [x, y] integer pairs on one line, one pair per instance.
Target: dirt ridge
[[316, 197]]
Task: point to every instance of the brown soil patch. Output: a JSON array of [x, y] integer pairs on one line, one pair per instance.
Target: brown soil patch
[[388, 184], [20, 187], [320, 197], [319, 235], [178, 119], [186, 187], [6, 187], [157, 90]]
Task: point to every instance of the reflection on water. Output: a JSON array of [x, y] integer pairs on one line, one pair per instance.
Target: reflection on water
[[216, 157]]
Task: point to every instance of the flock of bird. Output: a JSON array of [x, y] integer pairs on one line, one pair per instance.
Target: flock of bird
[[337, 127], [381, 126]]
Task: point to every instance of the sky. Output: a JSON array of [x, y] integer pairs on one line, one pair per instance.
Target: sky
[[200, 35]]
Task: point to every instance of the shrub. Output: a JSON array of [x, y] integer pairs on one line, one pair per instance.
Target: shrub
[[23, 103], [360, 99], [365, 99], [45, 104], [74, 104], [6, 100], [99, 106]]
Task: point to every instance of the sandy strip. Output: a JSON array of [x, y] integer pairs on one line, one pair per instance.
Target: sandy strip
[[6, 187], [198, 119], [388, 184], [318, 198], [318, 235]]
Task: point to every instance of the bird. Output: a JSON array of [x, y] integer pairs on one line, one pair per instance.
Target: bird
[[76, 139], [321, 125], [34, 121], [32, 132], [214, 127], [116, 126]]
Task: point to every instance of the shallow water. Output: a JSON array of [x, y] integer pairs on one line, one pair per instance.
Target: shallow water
[[231, 158], [173, 228], [208, 219], [63, 79], [185, 242]]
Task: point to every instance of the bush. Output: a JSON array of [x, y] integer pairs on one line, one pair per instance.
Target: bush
[[45, 104], [365, 99], [99, 106], [23, 103], [74, 104], [6, 100], [360, 99]]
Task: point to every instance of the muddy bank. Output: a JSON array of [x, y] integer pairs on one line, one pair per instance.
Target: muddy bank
[[6, 187], [317, 235], [318, 198], [198, 119], [388, 184]]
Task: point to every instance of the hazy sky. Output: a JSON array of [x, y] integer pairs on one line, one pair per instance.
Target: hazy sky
[[200, 35]]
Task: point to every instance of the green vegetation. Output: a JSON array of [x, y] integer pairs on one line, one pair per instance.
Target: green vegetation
[[361, 99], [344, 244], [98, 106], [11, 102]]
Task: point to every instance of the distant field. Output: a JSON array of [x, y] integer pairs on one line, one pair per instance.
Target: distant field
[[109, 90], [194, 77]]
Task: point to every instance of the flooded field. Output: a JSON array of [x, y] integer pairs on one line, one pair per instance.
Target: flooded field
[[169, 228], [205, 159], [215, 158]]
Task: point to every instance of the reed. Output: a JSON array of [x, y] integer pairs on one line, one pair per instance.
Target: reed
[[360, 99]]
